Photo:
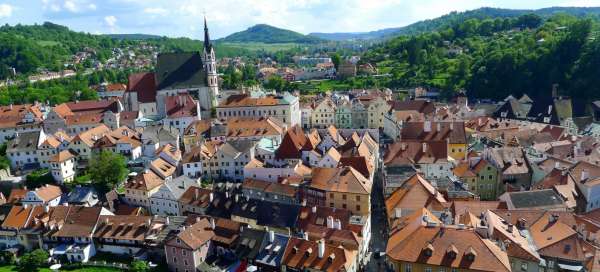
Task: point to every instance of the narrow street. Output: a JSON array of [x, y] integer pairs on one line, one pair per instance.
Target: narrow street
[[378, 225]]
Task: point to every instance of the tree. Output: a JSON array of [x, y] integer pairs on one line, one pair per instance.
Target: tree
[[139, 266], [336, 59], [32, 261], [107, 169], [275, 82]]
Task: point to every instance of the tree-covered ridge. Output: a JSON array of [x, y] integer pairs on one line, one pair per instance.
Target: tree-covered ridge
[[492, 58], [458, 17], [269, 34]]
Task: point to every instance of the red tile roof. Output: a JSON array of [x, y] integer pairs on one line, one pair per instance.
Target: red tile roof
[[145, 86]]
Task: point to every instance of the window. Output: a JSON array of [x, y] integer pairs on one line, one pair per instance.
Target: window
[[523, 266], [344, 197], [427, 269], [357, 198], [358, 208], [408, 267]]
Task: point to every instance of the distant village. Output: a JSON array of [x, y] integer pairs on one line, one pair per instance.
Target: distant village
[[258, 180]]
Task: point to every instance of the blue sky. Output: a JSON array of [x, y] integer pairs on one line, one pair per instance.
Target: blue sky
[[178, 18]]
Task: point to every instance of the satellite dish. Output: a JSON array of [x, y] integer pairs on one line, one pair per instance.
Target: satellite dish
[[55, 267]]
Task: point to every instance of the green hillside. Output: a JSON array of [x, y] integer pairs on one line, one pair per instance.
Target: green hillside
[[268, 34]]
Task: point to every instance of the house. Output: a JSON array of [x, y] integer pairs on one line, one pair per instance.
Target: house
[[22, 150], [271, 191], [50, 147], [255, 128], [428, 158], [140, 94], [181, 110], [157, 136], [74, 239], [123, 234], [49, 195], [14, 221], [191, 246], [82, 196], [547, 199], [249, 246], [270, 255], [62, 166], [284, 107], [453, 133], [79, 116], [139, 189], [302, 254], [480, 177], [195, 200], [515, 170], [229, 160], [324, 113], [557, 236], [344, 188], [427, 246], [19, 119], [522, 252], [401, 112], [415, 194], [83, 143], [166, 200], [191, 162]]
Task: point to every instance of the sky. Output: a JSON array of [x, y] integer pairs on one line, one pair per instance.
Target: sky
[[183, 18]]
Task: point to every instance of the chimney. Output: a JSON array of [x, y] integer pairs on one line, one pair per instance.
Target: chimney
[[584, 175], [211, 197], [46, 208], [338, 224], [321, 245], [196, 194], [553, 218], [439, 126], [424, 147], [479, 122], [510, 228], [314, 209], [329, 222], [271, 236], [213, 225], [305, 236], [557, 165], [451, 125], [427, 126], [167, 222]]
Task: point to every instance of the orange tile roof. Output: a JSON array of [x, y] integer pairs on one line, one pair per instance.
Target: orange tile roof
[[195, 235], [145, 181], [343, 179], [123, 227], [302, 254], [48, 192], [414, 194], [244, 100], [17, 217], [449, 247], [62, 156], [248, 127], [12, 116]]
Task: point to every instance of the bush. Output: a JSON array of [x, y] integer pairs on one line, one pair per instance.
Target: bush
[[139, 266], [32, 261]]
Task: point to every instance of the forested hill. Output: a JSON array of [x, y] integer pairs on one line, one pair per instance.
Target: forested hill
[[269, 34], [492, 58], [30, 47], [457, 17]]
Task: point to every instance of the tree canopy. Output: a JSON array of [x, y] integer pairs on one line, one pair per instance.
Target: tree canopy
[[107, 169]]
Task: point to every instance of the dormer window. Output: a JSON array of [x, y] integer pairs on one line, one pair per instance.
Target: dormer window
[[470, 254], [451, 252], [428, 250]]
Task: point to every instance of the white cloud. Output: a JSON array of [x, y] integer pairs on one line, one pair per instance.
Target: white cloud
[[156, 11], [70, 6], [5, 10], [92, 6], [111, 21]]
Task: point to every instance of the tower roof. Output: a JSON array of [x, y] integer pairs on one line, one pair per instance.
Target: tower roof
[[207, 43]]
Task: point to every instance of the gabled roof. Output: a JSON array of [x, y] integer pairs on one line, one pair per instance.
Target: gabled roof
[[406, 153], [48, 192], [62, 156], [454, 132], [80, 222], [343, 179], [145, 181], [414, 194], [195, 235], [302, 254], [486, 256], [123, 227]]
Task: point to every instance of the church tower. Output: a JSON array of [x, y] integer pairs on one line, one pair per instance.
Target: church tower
[[210, 66]]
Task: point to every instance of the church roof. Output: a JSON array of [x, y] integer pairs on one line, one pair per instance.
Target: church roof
[[180, 70]]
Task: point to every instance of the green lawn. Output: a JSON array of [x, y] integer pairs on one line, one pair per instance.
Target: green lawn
[[85, 269]]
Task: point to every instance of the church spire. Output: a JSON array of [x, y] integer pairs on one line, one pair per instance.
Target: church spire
[[207, 44]]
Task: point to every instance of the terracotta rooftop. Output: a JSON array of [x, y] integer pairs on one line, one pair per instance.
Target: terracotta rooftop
[[343, 179]]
